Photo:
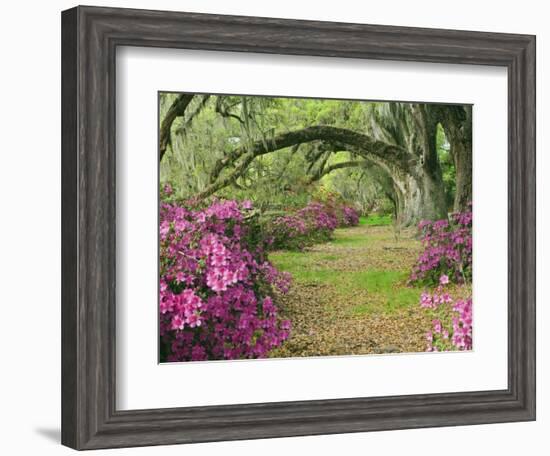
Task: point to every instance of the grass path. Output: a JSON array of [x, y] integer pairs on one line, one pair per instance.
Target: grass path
[[349, 296]]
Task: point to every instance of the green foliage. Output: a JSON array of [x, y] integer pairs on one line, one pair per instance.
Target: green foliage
[[213, 126], [447, 165], [216, 125], [376, 220]]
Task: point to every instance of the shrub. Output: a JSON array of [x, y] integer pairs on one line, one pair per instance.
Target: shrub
[[447, 250], [335, 204], [287, 232], [452, 330], [349, 216], [314, 223], [216, 285], [321, 218]]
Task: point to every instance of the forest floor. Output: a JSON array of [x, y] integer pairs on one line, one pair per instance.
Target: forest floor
[[350, 296]]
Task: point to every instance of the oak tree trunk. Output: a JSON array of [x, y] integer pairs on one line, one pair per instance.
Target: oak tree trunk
[[457, 124], [419, 199], [463, 164]]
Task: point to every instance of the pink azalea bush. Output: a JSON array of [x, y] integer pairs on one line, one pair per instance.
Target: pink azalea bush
[[216, 285], [349, 216], [452, 330], [312, 224], [319, 216], [447, 250]]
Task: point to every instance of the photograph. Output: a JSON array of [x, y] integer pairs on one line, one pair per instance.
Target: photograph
[[300, 227]]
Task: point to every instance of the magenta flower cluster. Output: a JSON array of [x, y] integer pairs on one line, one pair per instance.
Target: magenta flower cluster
[[447, 250], [311, 224], [216, 290], [319, 216], [453, 329], [349, 216]]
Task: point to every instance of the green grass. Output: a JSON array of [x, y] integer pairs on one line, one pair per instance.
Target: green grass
[[370, 290], [376, 281], [344, 240], [389, 301], [356, 239], [376, 220], [386, 290]]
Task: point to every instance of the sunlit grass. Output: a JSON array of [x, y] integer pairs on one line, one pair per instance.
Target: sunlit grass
[[385, 290], [388, 301], [349, 241], [375, 220], [377, 281], [350, 238]]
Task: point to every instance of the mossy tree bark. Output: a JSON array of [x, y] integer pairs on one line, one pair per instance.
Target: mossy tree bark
[[457, 124]]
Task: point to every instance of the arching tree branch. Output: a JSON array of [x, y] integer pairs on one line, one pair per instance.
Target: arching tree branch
[[391, 153]]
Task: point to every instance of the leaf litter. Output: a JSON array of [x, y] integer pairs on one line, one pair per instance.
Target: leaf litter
[[350, 296]]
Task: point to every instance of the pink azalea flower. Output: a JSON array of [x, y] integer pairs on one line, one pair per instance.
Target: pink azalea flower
[[167, 189], [437, 326], [213, 286], [177, 322]]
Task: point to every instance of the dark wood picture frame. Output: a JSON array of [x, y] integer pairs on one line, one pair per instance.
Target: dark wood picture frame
[[90, 36]]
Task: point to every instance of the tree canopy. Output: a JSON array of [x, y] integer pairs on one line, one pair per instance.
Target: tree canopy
[[411, 158]]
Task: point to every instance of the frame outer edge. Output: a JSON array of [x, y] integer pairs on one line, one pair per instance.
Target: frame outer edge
[[70, 392], [529, 124], [522, 234]]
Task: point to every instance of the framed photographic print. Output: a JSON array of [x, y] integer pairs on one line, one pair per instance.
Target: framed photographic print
[[279, 228]]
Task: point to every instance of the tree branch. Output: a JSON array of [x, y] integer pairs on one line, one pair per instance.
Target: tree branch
[[229, 179], [224, 111], [391, 153], [329, 169], [177, 109], [189, 118]]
